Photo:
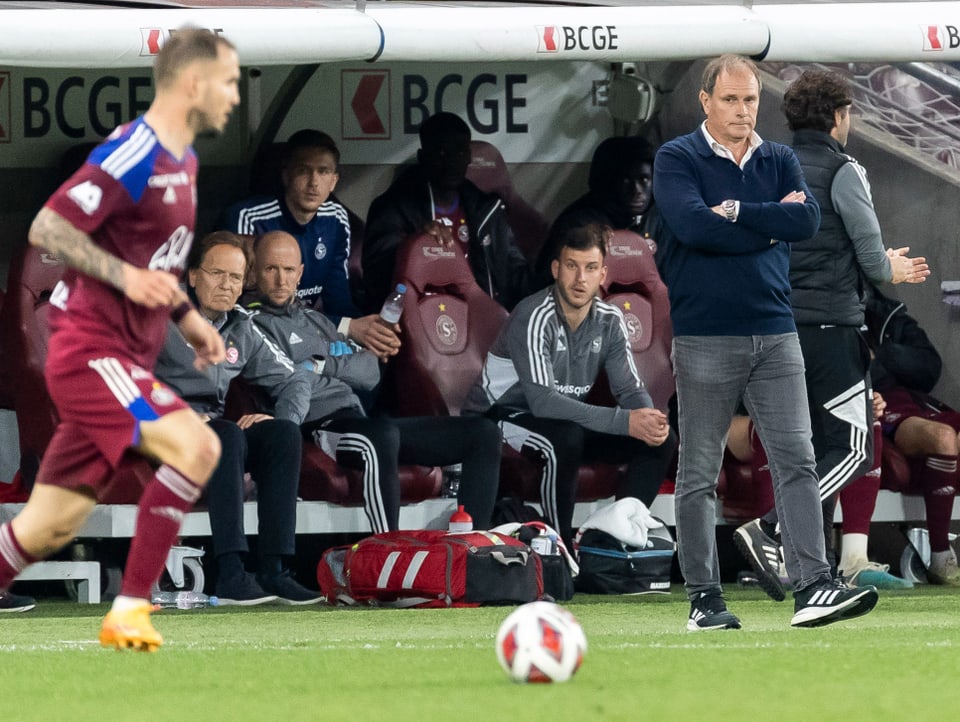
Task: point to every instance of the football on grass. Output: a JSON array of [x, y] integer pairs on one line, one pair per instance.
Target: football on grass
[[540, 642]]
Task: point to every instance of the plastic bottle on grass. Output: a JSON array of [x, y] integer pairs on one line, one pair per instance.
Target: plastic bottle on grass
[[183, 600], [393, 306], [460, 521]]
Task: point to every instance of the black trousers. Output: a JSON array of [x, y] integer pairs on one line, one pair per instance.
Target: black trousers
[[270, 450], [379, 445], [837, 371], [565, 445], [836, 363]]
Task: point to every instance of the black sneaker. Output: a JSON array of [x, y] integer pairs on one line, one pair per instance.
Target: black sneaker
[[763, 554], [831, 601], [288, 590], [709, 611], [241, 590], [15, 603]]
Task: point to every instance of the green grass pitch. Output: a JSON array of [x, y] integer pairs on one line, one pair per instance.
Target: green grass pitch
[[280, 663]]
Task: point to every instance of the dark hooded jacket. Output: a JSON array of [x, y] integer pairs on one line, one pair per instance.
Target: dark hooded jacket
[[612, 162], [498, 265], [903, 353]]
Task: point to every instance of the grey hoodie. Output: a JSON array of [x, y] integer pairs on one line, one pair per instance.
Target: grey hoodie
[[306, 334]]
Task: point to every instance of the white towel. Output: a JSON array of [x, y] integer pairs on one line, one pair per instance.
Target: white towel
[[627, 519]]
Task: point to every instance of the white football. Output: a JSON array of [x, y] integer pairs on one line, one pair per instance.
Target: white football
[[541, 642]]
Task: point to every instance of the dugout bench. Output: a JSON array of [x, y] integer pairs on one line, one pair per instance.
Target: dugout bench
[[117, 521]]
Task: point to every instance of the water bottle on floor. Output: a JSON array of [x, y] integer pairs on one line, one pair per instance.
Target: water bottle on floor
[[183, 600]]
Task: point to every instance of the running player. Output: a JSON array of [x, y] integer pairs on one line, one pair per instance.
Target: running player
[[124, 224]]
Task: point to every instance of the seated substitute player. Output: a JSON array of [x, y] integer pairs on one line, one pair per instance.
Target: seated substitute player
[[545, 361], [620, 195], [268, 446], [307, 211], [434, 196], [858, 499], [123, 224], [336, 421], [906, 367]]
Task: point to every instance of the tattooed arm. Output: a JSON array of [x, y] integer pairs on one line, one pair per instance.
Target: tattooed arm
[[150, 288]]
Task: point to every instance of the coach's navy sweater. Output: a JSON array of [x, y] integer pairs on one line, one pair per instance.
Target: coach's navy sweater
[[729, 279]]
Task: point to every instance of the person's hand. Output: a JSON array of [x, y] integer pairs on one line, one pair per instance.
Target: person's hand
[[150, 288], [906, 269], [375, 334], [206, 341], [442, 233], [649, 425], [248, 420], [794, 197], [879, 406]]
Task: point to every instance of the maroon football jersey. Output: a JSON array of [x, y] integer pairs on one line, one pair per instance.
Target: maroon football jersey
[[138, 202]]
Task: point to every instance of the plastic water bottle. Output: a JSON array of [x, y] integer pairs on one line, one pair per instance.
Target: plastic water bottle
[[460, 521], [545, 544], [393, 306], [183, 600]]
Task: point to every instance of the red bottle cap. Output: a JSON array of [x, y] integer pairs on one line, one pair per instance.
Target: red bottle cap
[[461, 516]]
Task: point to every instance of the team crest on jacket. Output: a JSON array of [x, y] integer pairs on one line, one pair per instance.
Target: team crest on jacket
[[320, 251], [596, 345], [232, 354]]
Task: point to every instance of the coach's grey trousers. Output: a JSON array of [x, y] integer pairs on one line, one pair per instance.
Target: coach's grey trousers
[[713, 374]]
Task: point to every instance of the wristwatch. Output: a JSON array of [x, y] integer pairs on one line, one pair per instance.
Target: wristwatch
[[729, 209]]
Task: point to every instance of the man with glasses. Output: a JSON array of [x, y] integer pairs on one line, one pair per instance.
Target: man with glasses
[[307, 211], [268, 446]]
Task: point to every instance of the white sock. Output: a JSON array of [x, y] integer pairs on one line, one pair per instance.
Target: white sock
[[853, 551], [122, 603], [938, 560]]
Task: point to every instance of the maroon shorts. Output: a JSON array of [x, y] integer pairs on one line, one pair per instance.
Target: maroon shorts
[[102, 401], [903, 404]]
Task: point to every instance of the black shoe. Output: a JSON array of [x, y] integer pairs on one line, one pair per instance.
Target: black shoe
[[831, 601], [708, 611], [241, 590], [763, 554], [15, 603], [288, 590]]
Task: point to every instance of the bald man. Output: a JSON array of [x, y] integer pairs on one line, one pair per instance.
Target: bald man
[[336, 421]]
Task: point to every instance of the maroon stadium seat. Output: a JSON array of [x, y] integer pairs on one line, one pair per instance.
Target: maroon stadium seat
[[488, 171], [448, 325], [33, 275], [634, 286], [745, 488], [6, 385]]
